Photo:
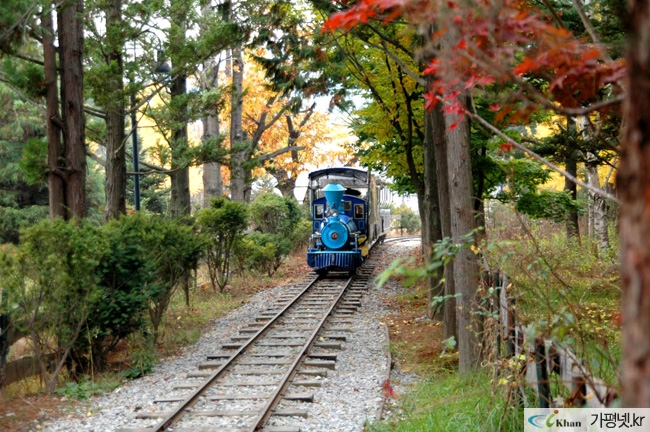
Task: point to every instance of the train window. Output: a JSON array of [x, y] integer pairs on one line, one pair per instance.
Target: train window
[[319, 211], [358, 211], [347, 206]]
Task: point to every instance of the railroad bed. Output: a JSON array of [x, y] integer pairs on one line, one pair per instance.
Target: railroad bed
[[291, 366]]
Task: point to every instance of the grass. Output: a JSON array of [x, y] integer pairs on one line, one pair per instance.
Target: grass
[[184, 326], [451, 402], [443, 400], [89, 386]]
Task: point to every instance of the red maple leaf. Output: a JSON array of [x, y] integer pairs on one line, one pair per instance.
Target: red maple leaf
[[389, 392], [430, 101], [431, 68]]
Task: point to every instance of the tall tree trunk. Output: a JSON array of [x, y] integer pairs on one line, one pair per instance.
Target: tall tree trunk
[[180, 179], [430, 210], [239, 173], [479, 204], [571, 162], [462, 223], [440, 146], [115, 188], [56, 184], [70, 28], [597, 209], [633, 184], [212, 180]]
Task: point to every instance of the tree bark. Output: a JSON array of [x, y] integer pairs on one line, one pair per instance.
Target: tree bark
[[571, 162], [239, 173], [430, 209], [633, 184], [212, 180], [440, 147], [462, 222], [115, 187], [597, 209], [180, 178], [70, 28], [56, 184]]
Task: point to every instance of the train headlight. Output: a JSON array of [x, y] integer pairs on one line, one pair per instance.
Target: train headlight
[[334, 213]]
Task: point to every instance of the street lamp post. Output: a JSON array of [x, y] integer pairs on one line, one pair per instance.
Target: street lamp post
[[162, 67]]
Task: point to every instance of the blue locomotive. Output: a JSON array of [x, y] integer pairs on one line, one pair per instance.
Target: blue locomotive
[[347, 218]]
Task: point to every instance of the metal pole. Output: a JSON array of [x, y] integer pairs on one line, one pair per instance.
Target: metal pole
[[136, 168]]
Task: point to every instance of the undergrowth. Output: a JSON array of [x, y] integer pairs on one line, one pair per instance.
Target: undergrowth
[[451, 402], [563, 290]]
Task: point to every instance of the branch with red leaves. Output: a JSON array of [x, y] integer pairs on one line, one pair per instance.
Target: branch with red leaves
[[502, 43]]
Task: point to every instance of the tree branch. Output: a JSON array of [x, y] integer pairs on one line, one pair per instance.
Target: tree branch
[[29, 59], [399, 61], [269, 156], [539, 158], [590, 29]]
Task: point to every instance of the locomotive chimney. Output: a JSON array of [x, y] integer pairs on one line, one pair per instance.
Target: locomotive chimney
[[334, 194]]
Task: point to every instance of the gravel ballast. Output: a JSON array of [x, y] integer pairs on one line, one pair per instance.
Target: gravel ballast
[[349, 397]]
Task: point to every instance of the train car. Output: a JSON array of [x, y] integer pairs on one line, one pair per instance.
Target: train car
[[347, 217]]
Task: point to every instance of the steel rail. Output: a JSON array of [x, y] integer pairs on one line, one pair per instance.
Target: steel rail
[[179, 412], [266, 412], [402, 238]]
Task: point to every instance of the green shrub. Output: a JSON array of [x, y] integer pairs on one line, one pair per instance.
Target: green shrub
[[85, 388], [408, 220], [262, 252], [123, 274], [281, 227], [175, 250], [273, 214], [51, 283], [301, 234], [556, 206], [222, 224]]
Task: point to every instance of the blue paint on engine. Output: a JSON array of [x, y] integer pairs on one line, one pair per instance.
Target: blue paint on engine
[[346, 260], [335, 234]]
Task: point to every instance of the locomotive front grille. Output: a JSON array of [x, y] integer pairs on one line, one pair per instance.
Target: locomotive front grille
[[328, 259]]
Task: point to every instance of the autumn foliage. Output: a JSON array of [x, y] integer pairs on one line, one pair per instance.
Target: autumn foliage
[[499, 42]]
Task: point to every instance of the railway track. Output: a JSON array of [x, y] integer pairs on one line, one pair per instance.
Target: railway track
[[270, 369], [268, 373]]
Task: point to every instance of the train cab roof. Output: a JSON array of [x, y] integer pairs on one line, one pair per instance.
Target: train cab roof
[[351, 178]]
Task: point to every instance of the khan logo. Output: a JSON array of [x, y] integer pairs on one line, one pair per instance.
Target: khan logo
[[543, 421]]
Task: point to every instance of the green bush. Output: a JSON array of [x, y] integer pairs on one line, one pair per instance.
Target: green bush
[[556, 206], [262, 252], [281, 227], [273, 214], [175, 250], [51, 283], [408, 220], [221, 224], [123, 274]]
